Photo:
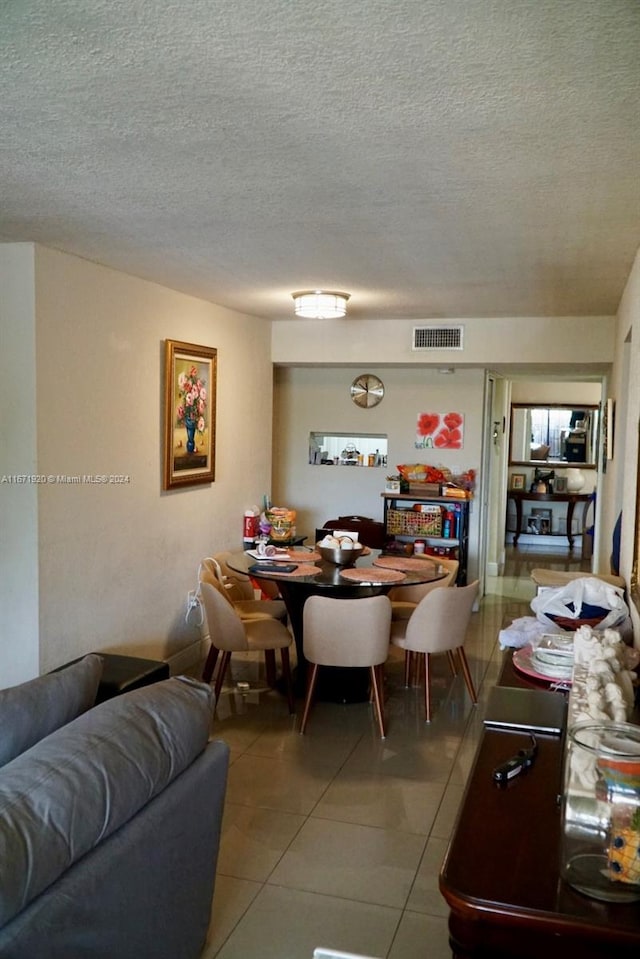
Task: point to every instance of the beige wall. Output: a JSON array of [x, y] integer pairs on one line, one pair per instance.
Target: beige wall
[[317, 399], [547, 392], [582, 341], [18, 459], [115, 561]]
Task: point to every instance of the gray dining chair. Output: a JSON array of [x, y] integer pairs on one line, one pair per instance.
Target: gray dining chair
[[228, 634], [348, 633], [438, 624]]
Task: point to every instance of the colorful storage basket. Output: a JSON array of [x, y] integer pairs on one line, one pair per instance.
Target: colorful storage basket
[[406, 522]]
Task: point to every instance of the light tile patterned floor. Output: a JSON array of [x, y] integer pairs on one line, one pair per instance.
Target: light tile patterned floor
[[336, 838]]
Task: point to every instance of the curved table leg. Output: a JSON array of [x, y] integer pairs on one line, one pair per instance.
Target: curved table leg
[[516, 535], [570, 506]]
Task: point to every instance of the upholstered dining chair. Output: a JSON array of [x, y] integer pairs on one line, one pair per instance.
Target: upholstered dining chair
[[404, 599], [229, 634], [238, 590], [438, 624], [348, 633]]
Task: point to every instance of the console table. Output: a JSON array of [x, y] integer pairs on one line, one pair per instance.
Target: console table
[[519, 496], [501, 874]]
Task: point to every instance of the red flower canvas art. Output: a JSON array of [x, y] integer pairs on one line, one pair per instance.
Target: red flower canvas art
[[443, 431]]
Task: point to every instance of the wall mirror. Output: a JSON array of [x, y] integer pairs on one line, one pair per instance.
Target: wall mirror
[[553, 435]]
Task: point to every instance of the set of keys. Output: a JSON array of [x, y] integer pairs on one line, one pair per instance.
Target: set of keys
[[517, 764]]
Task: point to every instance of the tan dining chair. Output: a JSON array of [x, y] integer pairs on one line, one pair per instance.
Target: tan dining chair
[[404, 599], [347, 633], [229, 634], [438, 624], [238, 589]]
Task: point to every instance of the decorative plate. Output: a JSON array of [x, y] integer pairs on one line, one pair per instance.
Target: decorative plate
[[524, 663]]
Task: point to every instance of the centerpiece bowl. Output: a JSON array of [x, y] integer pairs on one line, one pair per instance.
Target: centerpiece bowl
[[343, 554]]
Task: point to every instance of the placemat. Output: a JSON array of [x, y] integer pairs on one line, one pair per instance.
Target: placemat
[[404, 562], [372, 575], [304, 555], [305, 569]]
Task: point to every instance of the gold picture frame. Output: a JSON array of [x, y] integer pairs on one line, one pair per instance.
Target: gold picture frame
[[189, 414], [518, 481]]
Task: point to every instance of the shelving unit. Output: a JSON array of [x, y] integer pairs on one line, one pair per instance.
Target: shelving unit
[[404, 524]]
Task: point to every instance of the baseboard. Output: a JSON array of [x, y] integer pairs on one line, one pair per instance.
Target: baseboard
[[536, 539], [188, 658]]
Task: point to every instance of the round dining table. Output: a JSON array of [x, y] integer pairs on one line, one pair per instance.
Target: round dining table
[[374, 573]]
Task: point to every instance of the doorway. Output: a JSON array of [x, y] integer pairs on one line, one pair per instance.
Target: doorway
[[500, 392]]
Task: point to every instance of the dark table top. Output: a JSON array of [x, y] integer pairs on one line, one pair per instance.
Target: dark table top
[[329, 576], [501, 875]]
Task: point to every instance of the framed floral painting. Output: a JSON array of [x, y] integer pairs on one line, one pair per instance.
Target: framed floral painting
[[190, 414]]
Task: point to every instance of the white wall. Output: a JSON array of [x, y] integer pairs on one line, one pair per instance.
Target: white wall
[[317, 399], [18, 460], [622, 470], [115, 561]]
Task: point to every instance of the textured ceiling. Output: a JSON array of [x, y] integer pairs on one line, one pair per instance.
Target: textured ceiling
[[434, 158]]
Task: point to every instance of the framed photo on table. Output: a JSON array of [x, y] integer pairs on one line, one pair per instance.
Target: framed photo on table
[[189, 414], [542, 518], [560, 484], [518, 480]]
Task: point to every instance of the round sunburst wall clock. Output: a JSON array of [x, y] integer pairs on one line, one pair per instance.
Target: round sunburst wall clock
[[367, 390]]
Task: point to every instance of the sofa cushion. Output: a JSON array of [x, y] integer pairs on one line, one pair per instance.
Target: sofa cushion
[[32, 710], [77, 786]]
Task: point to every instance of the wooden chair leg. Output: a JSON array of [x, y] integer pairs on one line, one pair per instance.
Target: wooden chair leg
[[427, 689], [415, 658], [378, 700], [408, 658], [451, 656], [311, 685], [222, 668], [210, 664], [270, 667], [286, 673], [466, 672]]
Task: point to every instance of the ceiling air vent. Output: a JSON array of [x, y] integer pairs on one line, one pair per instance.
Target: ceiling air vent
[[437, 338]]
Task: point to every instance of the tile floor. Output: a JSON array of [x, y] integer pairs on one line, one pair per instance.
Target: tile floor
[[336, 838]]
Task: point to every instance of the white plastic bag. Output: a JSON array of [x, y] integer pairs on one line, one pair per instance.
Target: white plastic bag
[[586, 590]]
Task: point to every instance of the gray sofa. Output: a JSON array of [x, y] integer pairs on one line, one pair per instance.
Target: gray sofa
[[109, 818]]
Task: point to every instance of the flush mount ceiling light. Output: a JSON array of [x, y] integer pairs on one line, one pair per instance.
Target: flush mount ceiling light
[[320, 304]]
